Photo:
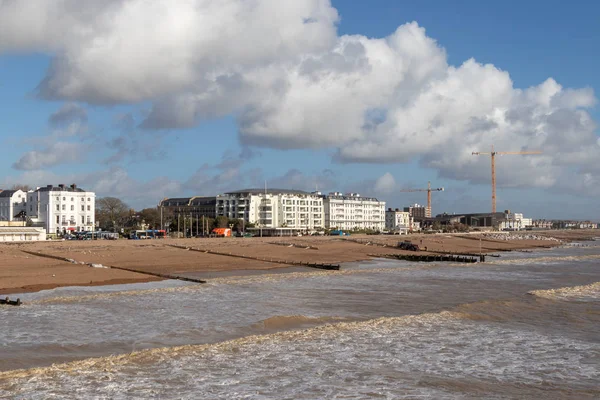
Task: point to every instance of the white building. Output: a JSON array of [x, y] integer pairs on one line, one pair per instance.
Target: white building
[[515, 221], [12, 205], [273, 208], [351, 211], [398, 221], [61, 208]]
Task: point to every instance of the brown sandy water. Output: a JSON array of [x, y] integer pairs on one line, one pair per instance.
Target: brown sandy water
[[522, 326]]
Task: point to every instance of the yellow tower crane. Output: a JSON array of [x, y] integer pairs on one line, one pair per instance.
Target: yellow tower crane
[[428, 190], [493, 155]]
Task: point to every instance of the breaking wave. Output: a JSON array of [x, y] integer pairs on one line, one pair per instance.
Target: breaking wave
[[539, 260], [435, 355], [589, 292]]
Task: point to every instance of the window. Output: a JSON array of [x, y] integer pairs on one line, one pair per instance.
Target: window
[[30, 208], [82, 220], [57, 207], [30, 198], [64, 218], [89, 220], [88, 199], [64, 198], [88, 208], [64, 207], [72, 207], [58, 198], [82, 207], [57, 219], [72, 199]]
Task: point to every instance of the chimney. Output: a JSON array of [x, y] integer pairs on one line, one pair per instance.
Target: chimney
[[49, 186], [73, 186], [62, 186]]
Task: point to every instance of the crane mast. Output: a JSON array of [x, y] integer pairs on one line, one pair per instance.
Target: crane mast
[[492, 155], [428, 190]]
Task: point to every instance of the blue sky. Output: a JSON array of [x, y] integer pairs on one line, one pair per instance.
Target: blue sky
[[293, 111]]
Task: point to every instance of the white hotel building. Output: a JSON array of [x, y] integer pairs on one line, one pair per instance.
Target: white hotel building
[[57, 209], [61, 208], [351, 211], [273, 208]]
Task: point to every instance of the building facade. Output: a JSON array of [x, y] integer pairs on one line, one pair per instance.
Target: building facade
[[197, 206], [418, 211], [273, 208], [352, 211], [13, 205], [515, 221], [398, 221], [61, 209]]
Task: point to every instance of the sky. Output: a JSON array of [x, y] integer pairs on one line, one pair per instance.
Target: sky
[[143, 100]]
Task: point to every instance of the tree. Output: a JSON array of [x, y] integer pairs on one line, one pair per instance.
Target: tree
[[18, 186], [111, 212], [150, 216], [221, 222]]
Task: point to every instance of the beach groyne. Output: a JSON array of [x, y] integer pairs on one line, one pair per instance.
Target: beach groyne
[[9, 302], [138, 271], [432, 257], [325, 266]]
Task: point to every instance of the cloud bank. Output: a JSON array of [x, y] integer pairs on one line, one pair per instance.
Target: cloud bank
[[293, 82]]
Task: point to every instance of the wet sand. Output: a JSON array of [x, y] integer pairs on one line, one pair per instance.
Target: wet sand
[[21, 272]]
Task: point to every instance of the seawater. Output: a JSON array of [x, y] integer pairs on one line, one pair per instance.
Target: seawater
[[524, 325]]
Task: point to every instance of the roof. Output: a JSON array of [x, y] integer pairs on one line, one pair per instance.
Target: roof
[[19, 229], [59, 189], [7, 193], [188, 201], [269, 191]]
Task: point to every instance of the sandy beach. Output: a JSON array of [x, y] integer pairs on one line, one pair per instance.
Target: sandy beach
[[22, 272]]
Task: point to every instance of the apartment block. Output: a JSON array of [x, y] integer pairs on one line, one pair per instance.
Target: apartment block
[[273, 208], [352, 211]]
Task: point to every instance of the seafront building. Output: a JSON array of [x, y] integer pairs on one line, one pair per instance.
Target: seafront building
[[61, 209], [57, 209], [196, 206], [397, 221], [273, 208], [13, 205], [352, 211]]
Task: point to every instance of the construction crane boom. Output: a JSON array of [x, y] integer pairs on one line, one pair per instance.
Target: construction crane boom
[[428, 190], [493, 155]]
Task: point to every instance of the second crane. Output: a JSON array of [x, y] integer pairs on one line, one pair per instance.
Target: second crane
[[428, 190]]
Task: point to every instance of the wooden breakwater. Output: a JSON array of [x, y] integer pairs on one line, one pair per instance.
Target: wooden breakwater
[[10, 302], [367, 242], [300, 246], [431, 257], [264, 259], [138, 271]]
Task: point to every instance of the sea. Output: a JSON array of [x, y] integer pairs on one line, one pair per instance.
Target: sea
[[524, 325]]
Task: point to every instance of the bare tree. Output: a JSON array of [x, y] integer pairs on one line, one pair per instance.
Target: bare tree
[[18, 186], [111, 212]]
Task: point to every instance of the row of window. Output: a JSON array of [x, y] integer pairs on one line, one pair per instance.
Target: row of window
[[63, 218], [72, 198], [64, 207]]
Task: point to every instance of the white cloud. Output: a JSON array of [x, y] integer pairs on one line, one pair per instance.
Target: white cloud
[[54, 154], [385, 184], [132, 50], [293, 83]]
